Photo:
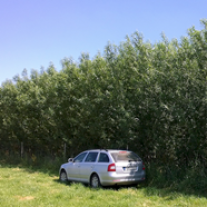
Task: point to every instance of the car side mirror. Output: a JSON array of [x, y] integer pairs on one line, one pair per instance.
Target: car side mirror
[[70, 160]]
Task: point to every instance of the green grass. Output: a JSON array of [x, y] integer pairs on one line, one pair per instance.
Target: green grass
[[20, 186]]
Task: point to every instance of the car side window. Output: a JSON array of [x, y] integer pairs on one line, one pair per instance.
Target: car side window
[[91, 157], [103, 158], [80, 157]]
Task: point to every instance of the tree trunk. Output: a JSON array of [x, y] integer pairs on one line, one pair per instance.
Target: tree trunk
[[22, 149]]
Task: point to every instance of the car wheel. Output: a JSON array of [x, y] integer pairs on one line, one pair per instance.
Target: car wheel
[[63, 176], [95, 182]]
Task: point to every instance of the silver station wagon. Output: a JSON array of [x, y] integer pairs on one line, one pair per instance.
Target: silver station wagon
[[102, 167]]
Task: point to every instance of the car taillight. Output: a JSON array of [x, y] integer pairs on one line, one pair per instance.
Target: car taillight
[[112, 167], [143, 166]]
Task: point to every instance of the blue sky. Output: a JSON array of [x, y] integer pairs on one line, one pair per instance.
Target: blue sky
[[34, 33]]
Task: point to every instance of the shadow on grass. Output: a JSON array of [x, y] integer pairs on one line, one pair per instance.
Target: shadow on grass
[[175, 188], [45, 165], [88, 187]]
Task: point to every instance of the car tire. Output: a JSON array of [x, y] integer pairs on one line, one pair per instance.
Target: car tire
[[95, 182], [63, 176]]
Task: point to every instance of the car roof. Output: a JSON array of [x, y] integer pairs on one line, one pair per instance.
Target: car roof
[[106, 150]]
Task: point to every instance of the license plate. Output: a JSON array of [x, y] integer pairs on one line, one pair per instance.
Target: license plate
[[129, 168]]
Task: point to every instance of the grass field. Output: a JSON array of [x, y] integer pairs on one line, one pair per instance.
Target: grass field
[[20, 186]]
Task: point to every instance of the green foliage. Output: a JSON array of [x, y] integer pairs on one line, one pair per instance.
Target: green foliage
[[150, 98]]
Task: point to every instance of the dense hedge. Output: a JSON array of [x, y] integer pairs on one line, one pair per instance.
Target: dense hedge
[[150, 98]]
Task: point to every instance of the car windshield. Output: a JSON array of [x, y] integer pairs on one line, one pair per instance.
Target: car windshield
[[125, 156], [80, 157]]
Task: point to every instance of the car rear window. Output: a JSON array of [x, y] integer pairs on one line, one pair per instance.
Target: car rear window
[[125, 156]]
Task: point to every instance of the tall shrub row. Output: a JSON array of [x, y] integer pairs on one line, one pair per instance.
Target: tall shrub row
[[150, 98]]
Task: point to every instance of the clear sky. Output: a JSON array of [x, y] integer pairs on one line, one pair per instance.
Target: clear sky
[[34, 33]]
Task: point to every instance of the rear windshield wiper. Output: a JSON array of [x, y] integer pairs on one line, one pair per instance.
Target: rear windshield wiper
[[138, 159]]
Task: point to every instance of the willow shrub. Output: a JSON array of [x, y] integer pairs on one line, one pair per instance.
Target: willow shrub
[[150, 98]]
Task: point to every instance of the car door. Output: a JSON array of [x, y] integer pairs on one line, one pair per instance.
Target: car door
[[88, 165], [74, 167]]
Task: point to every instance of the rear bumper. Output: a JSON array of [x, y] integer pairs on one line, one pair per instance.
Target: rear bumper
[[116, 179]]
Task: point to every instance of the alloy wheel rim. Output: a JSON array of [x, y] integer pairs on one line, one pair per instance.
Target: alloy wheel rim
[[63, 176], [95, 181]]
